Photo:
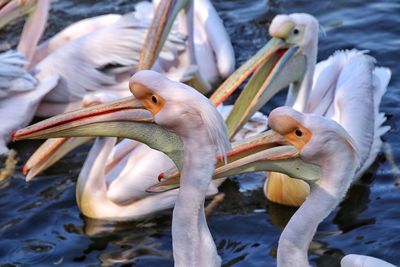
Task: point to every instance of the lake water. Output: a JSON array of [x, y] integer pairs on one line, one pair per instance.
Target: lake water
[[40, 224]]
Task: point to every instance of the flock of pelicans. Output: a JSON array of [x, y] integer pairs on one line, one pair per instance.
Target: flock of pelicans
[[327, 134]]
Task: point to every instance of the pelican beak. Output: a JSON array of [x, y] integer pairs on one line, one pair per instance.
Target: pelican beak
[[268, 151], [125, 118], [157, 34], [10, 10], [51, 151], [290, 68], [262, 63], [158, 31], [274, 67]]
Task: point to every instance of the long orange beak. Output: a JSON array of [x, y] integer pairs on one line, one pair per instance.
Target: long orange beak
[[163, 19], [267, 151], [125, 110], [51, 151], [125, 118]]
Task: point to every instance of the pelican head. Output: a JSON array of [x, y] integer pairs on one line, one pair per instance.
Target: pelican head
[[172, 102], [287, 59], [298, 29], [316, 137]]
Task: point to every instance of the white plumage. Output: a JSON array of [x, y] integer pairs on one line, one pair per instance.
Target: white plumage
[[356, 96]]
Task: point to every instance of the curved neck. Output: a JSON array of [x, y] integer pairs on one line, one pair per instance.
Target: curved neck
[[91, 185], [299, 92], [193, 244], [298, 233], [33, 29]]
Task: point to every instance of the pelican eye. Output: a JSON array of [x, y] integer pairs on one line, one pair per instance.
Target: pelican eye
[[154, 99], [296, 31], [299, 132]]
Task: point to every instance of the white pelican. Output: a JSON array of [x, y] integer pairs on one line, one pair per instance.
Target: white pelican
[[325, 143], [76, 62], [348, 80], [203, 133]]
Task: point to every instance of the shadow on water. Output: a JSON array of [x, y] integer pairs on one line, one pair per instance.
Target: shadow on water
[[40, 224]]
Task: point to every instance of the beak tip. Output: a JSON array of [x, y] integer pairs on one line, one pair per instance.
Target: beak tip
[[29, 177], [13, 136], [25, 170]]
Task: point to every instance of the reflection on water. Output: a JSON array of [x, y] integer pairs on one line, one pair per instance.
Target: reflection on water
[[40, 224]]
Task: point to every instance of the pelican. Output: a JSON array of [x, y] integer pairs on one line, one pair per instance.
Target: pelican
[[348, 80], [326, 143], [97, 54], [203, 133]]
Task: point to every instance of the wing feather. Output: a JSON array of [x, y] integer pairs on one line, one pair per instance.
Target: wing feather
[[99, 59], [13, 77]]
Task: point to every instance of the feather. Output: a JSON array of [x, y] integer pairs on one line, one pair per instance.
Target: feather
[[13, 77], [92, 61]]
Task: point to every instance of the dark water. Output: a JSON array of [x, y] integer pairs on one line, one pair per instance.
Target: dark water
[[40, 224]]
